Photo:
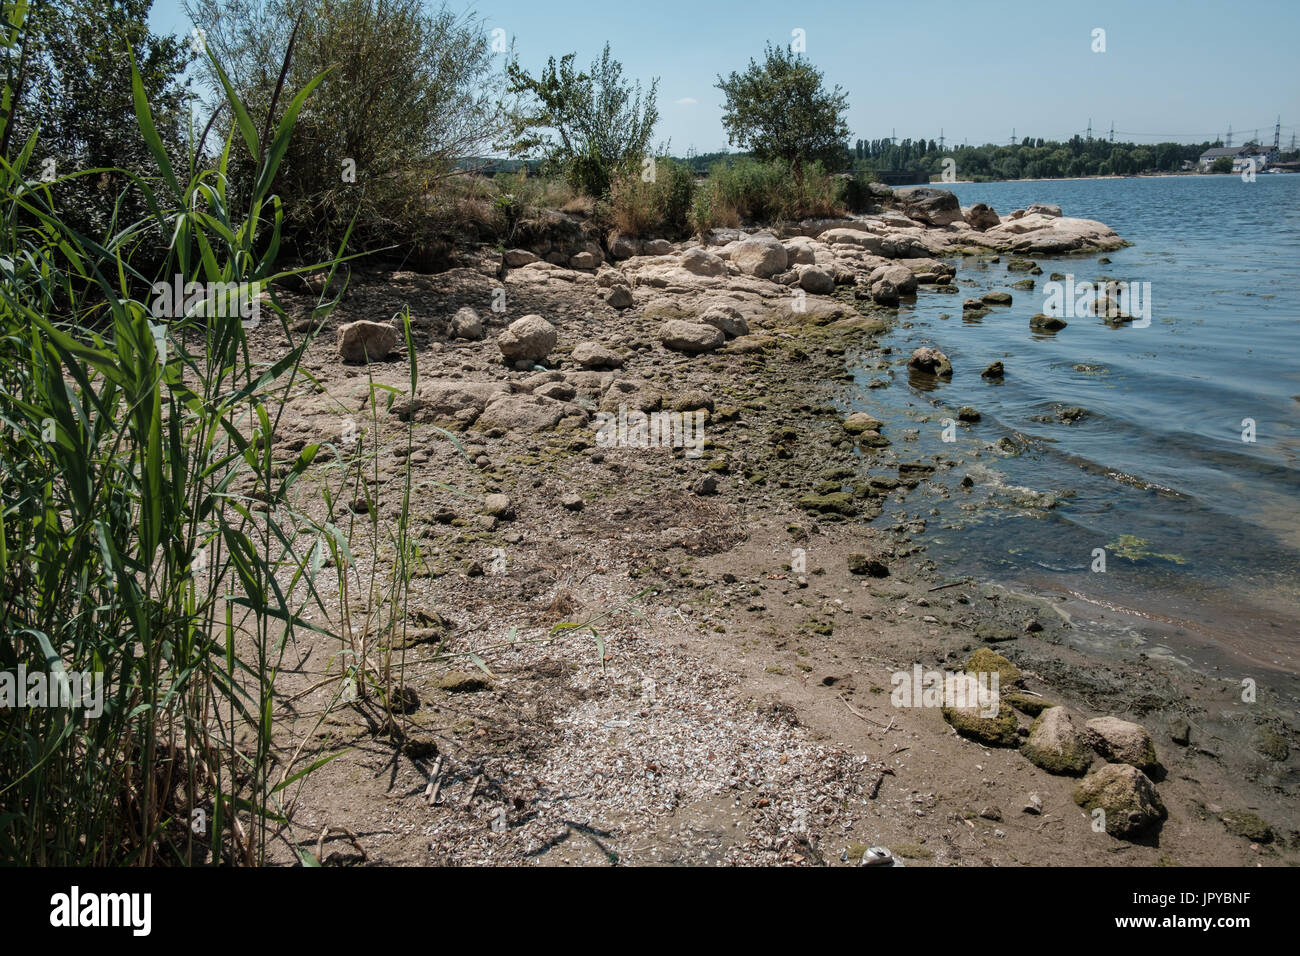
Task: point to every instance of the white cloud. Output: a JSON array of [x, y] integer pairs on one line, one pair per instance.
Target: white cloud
[[686, 101]]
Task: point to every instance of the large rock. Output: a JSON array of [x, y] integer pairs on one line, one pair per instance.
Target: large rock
[[519, 257], [523, 412], [529, 339], [970, 722], [934, 207], [701, 262], [366, 341], [761, 256], [1122, 741], [585, 260], [463, 401], [981, 217], [1125, 795], [815, 280], [800, 252], [902, 278], [690, 337], [1057, 745], [619, 297], [931, 362], [657, 247], [591, 355], [1043, 209], [623, 247], [466, 324], [729, 321]]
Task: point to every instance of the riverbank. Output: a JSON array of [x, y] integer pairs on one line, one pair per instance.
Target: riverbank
[[744, 713]]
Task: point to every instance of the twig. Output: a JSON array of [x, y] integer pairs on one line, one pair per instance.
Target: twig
[[473, 789], [858, 713], [435, 783], [951, 584]]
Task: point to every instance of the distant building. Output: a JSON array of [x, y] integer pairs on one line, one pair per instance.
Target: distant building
[[1241, 156]]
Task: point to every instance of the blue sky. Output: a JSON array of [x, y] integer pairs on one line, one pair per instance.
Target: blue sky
[[1172, 69]]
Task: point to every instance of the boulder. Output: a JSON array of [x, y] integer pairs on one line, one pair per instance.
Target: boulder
[[591, 355], [800, 252], [981, 217], [1057, 745], [519, 257], [623, 247], [987, 661], [999, 731], [529, 339], [619, 297], [1125, 795], [584, 260], [729, 321], [930, 361], [701, 262], [522, 412], [1043, 209], [934, 207], [816, 281], [1121, 741], [466, 324], [884, 292], [996, 298], [690, 337], [903, 278], [657, 247], [364, 341], [860, 422], [994, 371], [761, 256], [463, 401], [1046, 323]]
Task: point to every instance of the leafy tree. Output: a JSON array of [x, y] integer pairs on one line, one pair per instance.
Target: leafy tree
[[408, 94], [591, 127], [70, 82], [1222, 165], [779, 109]]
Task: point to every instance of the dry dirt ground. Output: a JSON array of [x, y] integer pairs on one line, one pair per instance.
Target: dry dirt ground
[[733, 711]]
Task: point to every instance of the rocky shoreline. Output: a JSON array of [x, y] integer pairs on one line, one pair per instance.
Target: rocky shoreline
[[670, 429]]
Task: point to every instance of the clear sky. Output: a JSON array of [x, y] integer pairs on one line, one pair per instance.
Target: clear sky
[[1172, 69]]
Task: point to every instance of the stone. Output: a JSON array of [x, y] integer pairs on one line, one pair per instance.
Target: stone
[[996, 298], [865, 564], [364, 341], [1021, 265], [884, 292], [529, 339], [935, 207], [968, 413], [692, 400], [592, 355], [701, 262], [657, 247], [995, 370], [1125, 795], [1180, 731], [708, 485], [1043, 209], [692, 338], [729, 321], [619, 297], [1056, 745], [1122, 741], [999, 731], [525, 413], [466, 324], [816, 281], [1245, 823], [499, 506], [761, 256], [930, 361], [987, 661], [572, 502], [860, 422], [623, 247], [515, 258], [584, 260], [981, 216], [1041, 322], [461, 682]]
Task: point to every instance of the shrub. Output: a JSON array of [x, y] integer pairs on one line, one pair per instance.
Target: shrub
[[661, 207]]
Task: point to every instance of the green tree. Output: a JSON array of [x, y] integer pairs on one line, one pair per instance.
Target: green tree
[[1222, 165], [70, 82], [592, 127], [409, 93], [780, 109]]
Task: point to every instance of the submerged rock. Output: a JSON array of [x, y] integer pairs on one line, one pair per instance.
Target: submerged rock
[[931, 361]]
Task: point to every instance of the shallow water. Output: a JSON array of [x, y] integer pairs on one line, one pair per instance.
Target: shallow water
[[1200, 529]]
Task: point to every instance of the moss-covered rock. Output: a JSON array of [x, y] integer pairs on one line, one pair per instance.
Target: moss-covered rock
[[1056, 745], [986, 661], [837, 502], [1000, 731], [1125, 795], [1027, 703], [1246, 823]]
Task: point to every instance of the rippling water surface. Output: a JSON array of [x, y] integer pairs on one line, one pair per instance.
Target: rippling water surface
[[1201, 529]]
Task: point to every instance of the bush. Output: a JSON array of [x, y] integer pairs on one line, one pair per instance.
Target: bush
[[658, 208], [768, 192]]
